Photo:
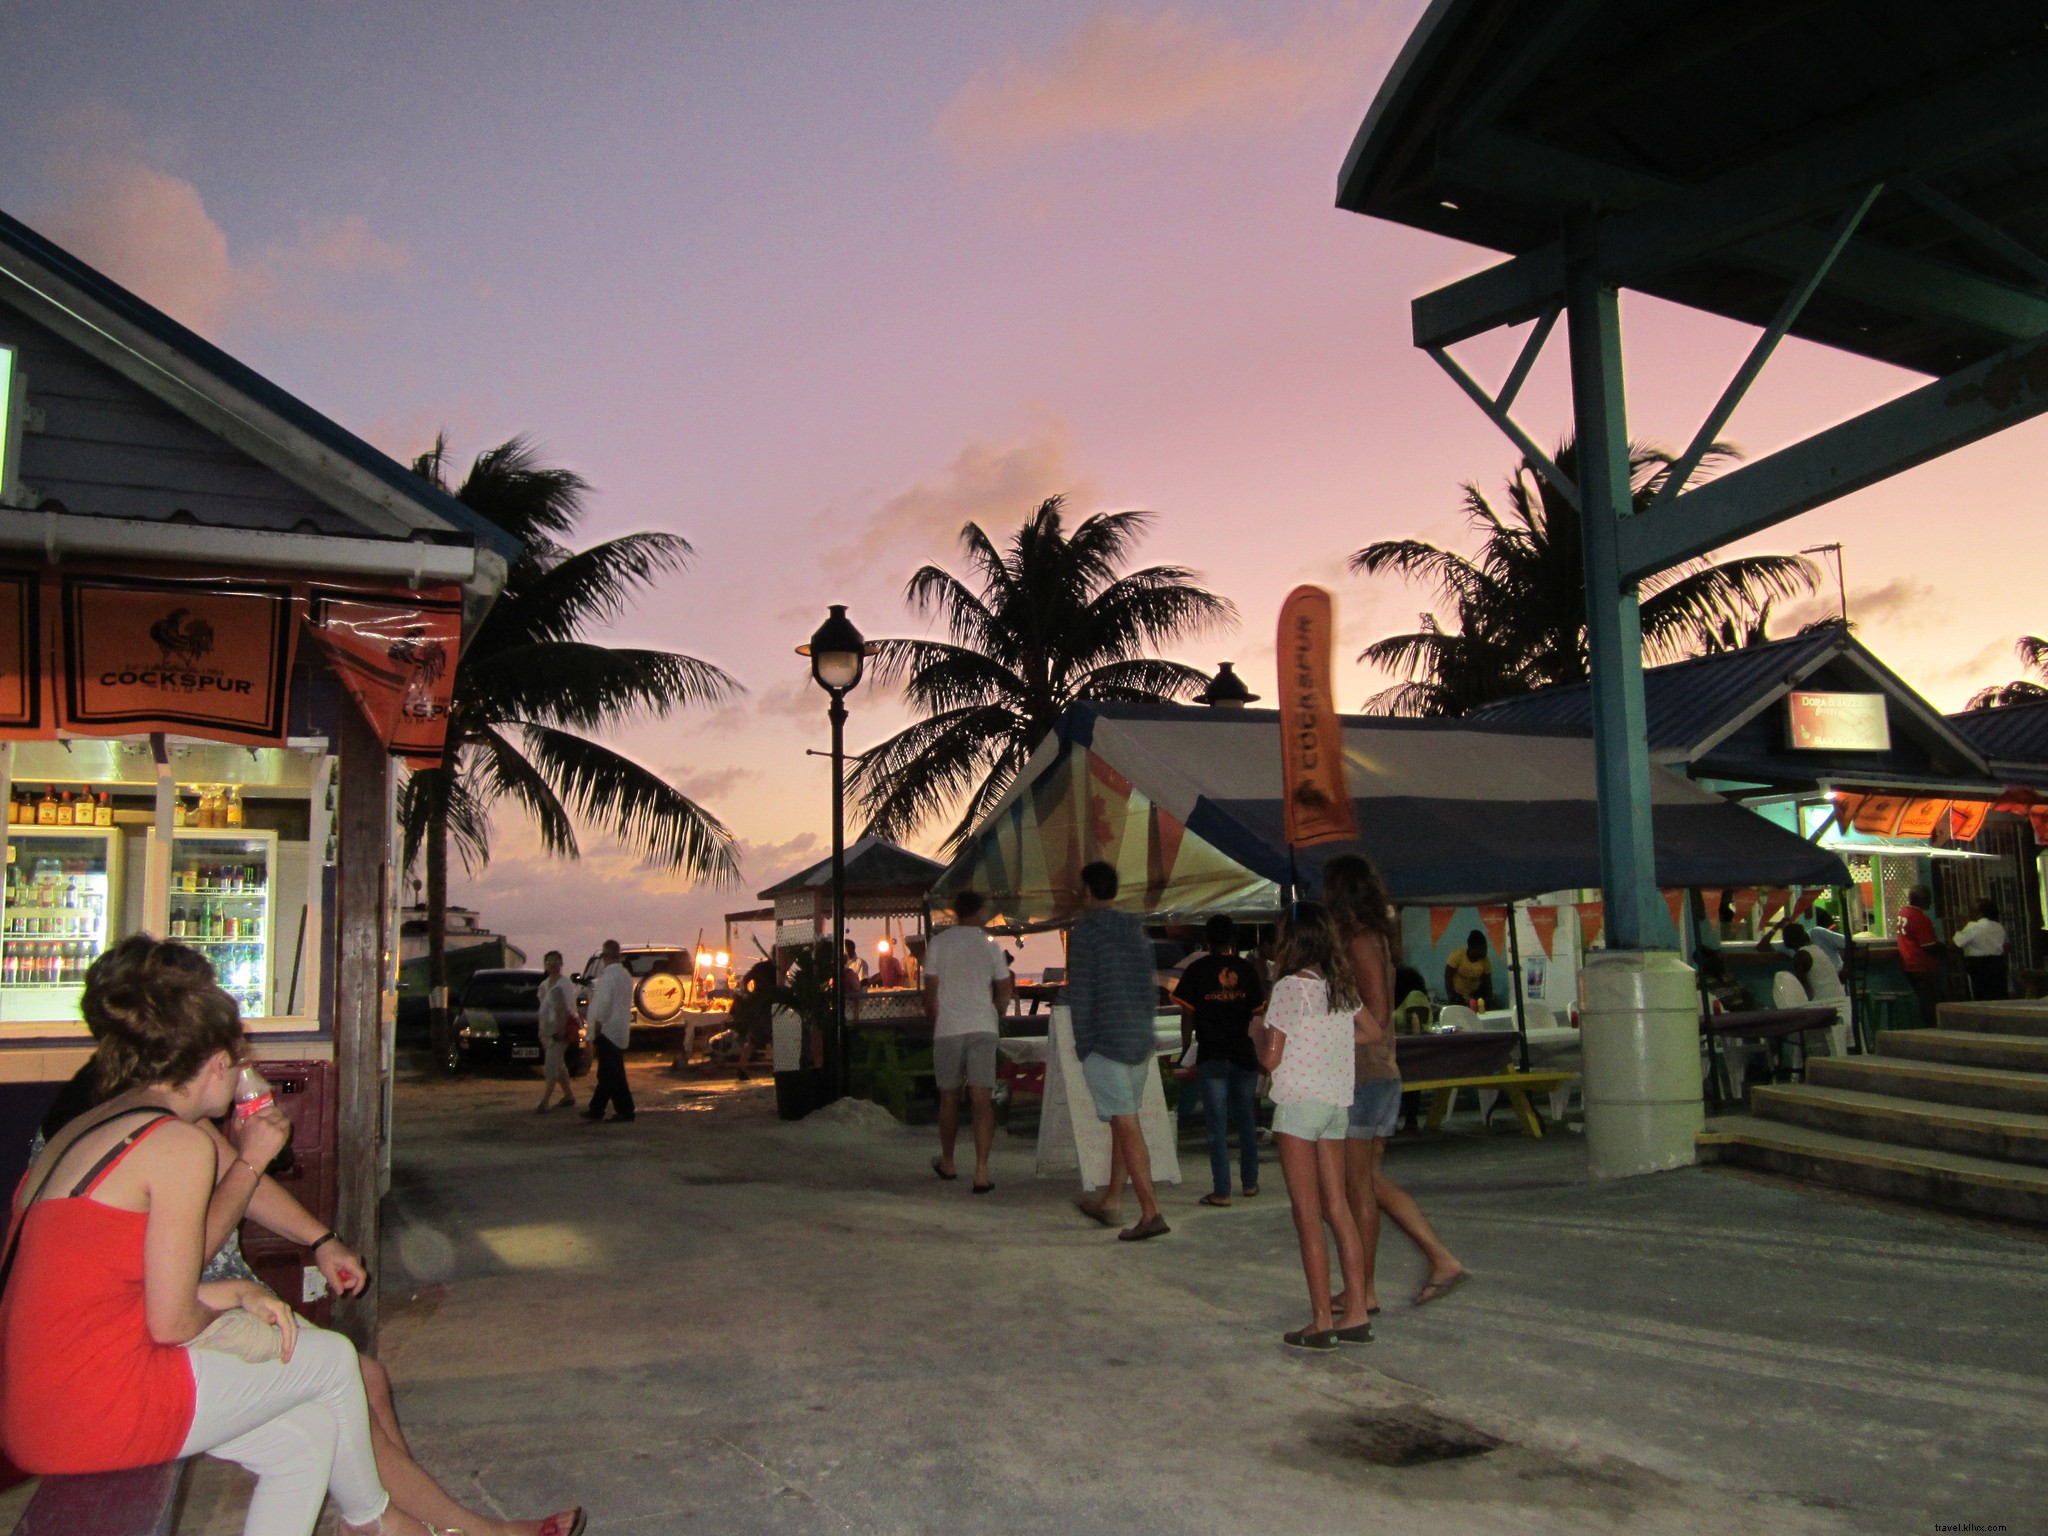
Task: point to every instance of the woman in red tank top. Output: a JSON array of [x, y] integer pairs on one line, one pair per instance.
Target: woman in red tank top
[[103, 1296]]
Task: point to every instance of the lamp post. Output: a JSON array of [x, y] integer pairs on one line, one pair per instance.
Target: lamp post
[[1226, 690], [839, 654]]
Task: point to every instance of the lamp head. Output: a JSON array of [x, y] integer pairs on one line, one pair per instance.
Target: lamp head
[[1226, 690], [838, 652]]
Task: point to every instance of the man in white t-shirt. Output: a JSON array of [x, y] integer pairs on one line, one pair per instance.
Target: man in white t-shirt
[[1982, 941], [966, 988]]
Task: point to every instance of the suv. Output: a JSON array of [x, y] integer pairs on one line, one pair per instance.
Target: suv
[[661, 975], [497, 1015]]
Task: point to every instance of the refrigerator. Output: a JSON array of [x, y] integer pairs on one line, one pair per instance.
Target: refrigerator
[[223, 885], [61, 882]]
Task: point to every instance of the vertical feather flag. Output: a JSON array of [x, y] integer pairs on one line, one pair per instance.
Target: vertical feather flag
[[1318, 800]]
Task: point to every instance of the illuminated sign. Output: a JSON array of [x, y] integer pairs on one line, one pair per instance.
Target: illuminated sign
[[1838, 722]]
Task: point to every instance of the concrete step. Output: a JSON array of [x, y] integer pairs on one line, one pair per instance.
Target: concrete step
[[1973, 1185], [1966, 1048], [1999, 1135], [1938, 1082], [2008, 1018]]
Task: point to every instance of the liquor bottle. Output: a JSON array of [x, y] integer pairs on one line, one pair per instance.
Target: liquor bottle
[[234, 806], [46, 808], [103, 812], [67, 814]]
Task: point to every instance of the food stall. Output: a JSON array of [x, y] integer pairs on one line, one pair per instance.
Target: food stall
[[223, 621]]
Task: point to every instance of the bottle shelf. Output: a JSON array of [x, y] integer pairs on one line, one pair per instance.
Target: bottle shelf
[[246, 938]]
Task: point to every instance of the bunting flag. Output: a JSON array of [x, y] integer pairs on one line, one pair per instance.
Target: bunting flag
[[2039, 817], [1742, 902], [1710, 899], [1316, 798], [1846, 807], [1592, 916], [1439, 920], [1805, 903], [1544, 921], [1774, 902], [1878, 815], [24, 678], [1920, 817], [205, 658], [1495, 921], [1966, 819], [395, 653], [1674, 903]]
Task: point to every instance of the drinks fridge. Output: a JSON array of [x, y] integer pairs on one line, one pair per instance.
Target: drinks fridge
[[221, 884], [60, 882]]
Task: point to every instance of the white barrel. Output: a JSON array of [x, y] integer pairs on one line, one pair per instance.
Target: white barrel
[[1640, 1038]]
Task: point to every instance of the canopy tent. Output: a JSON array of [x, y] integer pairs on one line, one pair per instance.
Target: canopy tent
[[1185, 801]]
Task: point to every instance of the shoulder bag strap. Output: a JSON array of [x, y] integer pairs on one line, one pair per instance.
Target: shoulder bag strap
[[20, 1213]]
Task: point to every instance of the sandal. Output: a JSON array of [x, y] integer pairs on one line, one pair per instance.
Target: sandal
[[1437, 1290], [1251, 1191], [938, 1167], [984, 1189], [1310, 1338], [568, 1523], [1216, 1200]]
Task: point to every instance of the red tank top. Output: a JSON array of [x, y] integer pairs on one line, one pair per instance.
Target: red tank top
[[83, 1387]]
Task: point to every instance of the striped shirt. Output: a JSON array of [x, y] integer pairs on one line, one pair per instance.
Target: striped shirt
[[1112, 990]]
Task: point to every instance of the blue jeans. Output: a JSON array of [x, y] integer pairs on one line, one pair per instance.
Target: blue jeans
[[1228, 1087]]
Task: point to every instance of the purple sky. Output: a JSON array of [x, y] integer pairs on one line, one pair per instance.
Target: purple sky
[[815, 285]]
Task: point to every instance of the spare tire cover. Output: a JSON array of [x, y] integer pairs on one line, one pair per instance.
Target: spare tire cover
[[659, 997]]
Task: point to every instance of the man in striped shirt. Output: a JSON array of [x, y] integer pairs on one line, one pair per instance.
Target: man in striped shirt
[[1112, 995]]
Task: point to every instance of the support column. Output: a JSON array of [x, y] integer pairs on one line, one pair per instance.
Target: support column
[[364, 771], [1637, 1007]]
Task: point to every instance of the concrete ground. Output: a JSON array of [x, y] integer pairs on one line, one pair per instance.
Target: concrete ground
[[711, 1321]]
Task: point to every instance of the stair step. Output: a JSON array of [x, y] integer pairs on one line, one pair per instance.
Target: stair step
[[2007, 1018], [1999, 1135], [1922, 1175], [2008, 1053], [1939, 1082]]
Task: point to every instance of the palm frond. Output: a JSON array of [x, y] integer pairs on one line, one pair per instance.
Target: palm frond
[[637, 807], [582, 686]]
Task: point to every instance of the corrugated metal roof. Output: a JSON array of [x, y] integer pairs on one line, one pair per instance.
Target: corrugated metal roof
[[1687, 703], [2016, 734], [871, 866], [1503, 119]]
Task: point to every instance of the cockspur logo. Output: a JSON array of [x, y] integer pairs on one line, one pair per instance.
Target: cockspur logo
[[428, 660], [183, 641]]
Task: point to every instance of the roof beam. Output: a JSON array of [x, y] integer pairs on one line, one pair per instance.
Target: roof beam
[[1950, 413]]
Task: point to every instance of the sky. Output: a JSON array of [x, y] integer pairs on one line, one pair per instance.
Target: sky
[[815, 285]]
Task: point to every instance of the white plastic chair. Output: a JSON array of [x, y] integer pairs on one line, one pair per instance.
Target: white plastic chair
[[1457, 1016], [1788, 991]]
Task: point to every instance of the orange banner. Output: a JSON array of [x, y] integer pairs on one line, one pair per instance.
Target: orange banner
[[1920, 818], [1775, 901], [1317, 799], [1439, 920], [395, 653], [1495, 921], [24, 675], [1846, 807], [207, 658], [1544, 921], [1742, 901], [2039, 817], [1878, 815], [1674, 903], [1592, 916], [1966, 819]]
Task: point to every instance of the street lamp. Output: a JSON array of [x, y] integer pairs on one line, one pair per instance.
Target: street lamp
[[839, 655], [1226, 690]]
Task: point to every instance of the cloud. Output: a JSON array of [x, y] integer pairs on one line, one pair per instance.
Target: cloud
[[705, 784], [991, 483], [149, 231], [1125, 76], [1901, 603]]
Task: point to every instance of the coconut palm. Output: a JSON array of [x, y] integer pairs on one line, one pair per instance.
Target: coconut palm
[[529, 692], [2032, 651], [1048, 621], [1519, 605]]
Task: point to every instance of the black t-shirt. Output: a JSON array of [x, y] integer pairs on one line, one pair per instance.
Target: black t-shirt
[[1225, 990]]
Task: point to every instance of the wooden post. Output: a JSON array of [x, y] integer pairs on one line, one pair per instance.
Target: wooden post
[[364, 771]]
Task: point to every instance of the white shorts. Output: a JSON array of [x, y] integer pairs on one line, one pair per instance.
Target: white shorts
[[964, 1061], [1312, 1120]]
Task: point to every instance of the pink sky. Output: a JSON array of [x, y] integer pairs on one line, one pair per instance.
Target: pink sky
[[814, 287]]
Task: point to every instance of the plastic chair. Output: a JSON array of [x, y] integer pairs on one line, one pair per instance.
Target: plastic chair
[[1457, 1016]]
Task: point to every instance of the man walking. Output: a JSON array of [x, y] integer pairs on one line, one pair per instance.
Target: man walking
[[611, 1024], [557, 1009], [1112, 995], [966, 988]]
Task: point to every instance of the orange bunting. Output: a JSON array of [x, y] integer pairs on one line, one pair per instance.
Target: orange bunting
[[1544, 921], [1495, 921], [1878, 815], [1674, 903], [1592, 917], [1920, 818], [1966, 819], [1439, 920]]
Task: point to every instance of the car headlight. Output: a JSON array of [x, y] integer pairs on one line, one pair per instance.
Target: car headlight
[[479, 1025]]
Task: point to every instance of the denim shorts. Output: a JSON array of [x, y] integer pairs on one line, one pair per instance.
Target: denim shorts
[[1310, 1119], [1375, 1109], [1118, 1087]]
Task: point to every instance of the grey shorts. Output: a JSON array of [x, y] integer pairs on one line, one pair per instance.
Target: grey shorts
[[964, 1061], [1311, 1120], [1375, 1109], [1118, 1087]]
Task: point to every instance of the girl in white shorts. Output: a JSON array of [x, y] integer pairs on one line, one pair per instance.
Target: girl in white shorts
[[1305, 1040]]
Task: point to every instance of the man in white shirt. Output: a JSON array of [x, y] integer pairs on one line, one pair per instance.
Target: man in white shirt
[[1982, 941], [966, 988], [611, 1025], [557, 1005]]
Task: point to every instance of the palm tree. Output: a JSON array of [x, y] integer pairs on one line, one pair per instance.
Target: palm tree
[[1520, 603], [530, 690], [1052, 623], [2032, 651]]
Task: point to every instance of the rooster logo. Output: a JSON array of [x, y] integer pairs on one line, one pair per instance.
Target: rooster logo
[[177, 634], [427, 658]]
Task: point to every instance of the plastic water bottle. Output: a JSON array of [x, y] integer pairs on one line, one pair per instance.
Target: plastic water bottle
[[253, 1095]]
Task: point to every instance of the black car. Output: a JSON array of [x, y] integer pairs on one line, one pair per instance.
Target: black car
[[497, 1018]]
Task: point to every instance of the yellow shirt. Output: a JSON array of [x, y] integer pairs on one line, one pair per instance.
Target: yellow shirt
[[1470, 978]]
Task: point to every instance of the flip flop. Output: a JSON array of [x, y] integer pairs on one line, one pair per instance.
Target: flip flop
[[1309, 1338], [1358, 1333], [982, 1189], [568, 1523], [1154, 1227], [1094, 1212], [1252, 1193], [1217, 1200], [941, 1172], [1437, 1290]]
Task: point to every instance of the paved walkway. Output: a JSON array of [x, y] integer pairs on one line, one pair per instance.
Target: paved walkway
[[709, 1321]]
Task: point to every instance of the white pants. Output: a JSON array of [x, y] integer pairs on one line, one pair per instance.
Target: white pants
[[301, 1426]]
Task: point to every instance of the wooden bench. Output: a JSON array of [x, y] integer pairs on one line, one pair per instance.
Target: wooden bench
[[140, 1502], [1517, 1086]]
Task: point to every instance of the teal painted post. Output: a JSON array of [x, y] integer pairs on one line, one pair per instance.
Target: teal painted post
[[1614, 634]]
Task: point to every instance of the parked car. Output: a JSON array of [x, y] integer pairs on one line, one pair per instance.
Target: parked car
[[497, 1018], [660, 973]]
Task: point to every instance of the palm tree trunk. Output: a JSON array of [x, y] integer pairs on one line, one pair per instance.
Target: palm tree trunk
[[440, 1024]]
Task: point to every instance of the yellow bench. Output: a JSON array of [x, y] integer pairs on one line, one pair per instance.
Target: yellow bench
[[1517, 1086]]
